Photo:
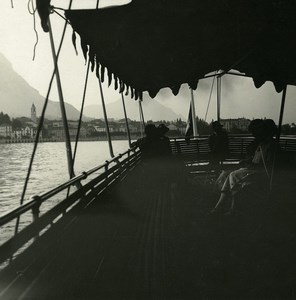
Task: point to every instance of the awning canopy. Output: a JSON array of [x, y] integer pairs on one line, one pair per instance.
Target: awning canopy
[[148, 44]]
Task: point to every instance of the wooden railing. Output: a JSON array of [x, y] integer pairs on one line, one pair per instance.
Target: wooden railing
[[104, 176]]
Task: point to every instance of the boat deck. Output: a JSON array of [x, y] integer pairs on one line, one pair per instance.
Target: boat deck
[[150, 237]]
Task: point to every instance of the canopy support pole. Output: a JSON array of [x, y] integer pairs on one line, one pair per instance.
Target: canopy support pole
[[283, 102], [105, 117], [126, 121], [193, 115], [142, 120], [62, 105], [218, 97]]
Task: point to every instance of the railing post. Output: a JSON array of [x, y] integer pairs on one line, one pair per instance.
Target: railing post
[[106, 168], [128, 159], [177, 147], [36, 208], [242, 147], [36, 211]]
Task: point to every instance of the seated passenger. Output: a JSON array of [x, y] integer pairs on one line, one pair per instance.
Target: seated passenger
[[260, 165], [164, 142], [147, 144], [254, 129], [155, 144], [218, 143]]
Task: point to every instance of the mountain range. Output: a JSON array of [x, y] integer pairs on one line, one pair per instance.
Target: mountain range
[[152, 109], [17, 97]]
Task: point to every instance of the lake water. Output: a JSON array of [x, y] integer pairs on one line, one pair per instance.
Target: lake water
[[49, 168]]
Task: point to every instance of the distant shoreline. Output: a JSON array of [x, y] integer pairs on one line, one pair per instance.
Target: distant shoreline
[[56, 140], [97, 138]]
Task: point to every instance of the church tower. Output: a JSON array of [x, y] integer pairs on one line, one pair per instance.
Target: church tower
[[33, 113]]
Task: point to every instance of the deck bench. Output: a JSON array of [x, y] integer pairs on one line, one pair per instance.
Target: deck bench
[[196, 152]]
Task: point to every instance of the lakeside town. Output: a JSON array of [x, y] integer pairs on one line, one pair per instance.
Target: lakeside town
[[23, 129]]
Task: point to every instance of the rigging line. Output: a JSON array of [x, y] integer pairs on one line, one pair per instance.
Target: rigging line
[[40, 124], [62, 104], [61, 16], [97, 6], [31, 12], [81, 111], [34, 26], [59, 8], [105, 117], [210, 95], [11, 1], [80, 120], [126, 121]]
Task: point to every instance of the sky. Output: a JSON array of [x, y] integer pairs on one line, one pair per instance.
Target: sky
[[239, 97]]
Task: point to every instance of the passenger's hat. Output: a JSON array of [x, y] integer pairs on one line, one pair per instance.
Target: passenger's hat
[[163, 128], [217, 124]]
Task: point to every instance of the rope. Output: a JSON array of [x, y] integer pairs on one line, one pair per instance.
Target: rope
[[32, 12], [62, 104], [210, 95], [81, 111], [11, 1], [80, 121], [97, 6], [41, 120], [61, 16]]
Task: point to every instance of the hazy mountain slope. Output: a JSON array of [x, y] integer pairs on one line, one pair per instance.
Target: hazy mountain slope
[[17, 96], [152, 109]]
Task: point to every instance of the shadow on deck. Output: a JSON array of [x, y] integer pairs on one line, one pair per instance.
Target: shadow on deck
[[151, 238]]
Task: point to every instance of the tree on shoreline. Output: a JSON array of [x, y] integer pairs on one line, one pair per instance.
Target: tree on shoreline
[[4, 118]]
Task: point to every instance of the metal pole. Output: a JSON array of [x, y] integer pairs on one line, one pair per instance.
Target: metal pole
[[62, 105], [281, 113], [126, 121], [278, 135], [218, 97], [105, 117], [193, 115], [141, 117]]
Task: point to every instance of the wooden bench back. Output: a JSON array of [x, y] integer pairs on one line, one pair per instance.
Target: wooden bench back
[[198, 150]]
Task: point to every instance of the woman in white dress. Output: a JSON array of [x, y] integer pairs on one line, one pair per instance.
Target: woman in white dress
[[260, 165]]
